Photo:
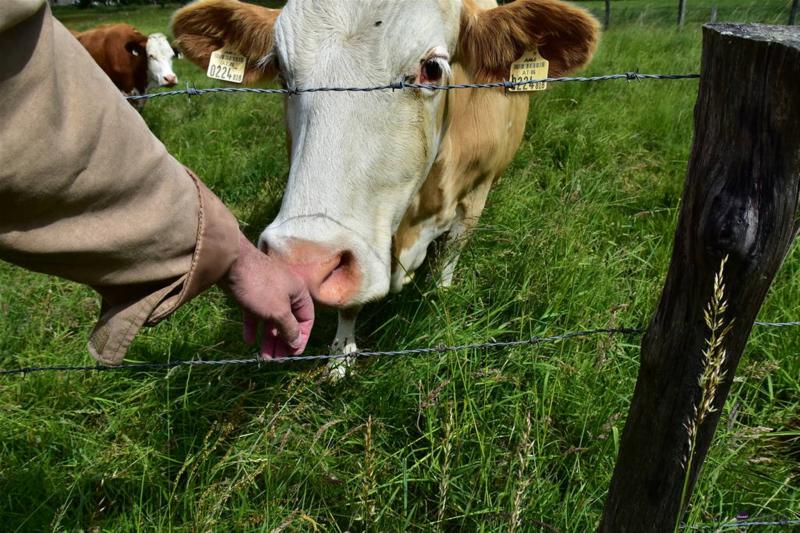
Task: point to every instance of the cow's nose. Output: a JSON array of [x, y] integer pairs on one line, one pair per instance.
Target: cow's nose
[[332, 276], [170, 80]]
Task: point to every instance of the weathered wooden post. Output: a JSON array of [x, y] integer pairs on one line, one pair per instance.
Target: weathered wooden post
[[740, 200], [607, 19], [681, 12]]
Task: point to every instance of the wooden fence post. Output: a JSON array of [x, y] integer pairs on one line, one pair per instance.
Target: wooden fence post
[[607, 20], [740, 200], [681, 12]]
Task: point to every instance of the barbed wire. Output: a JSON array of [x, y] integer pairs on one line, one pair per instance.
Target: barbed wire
[[401, 85], [777, 324], [256, 361], [740, 524]]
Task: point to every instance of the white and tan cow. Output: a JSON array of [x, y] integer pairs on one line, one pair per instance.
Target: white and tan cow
[[376, 177]]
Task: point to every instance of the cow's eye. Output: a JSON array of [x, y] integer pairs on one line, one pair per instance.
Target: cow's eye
[[432, 70]]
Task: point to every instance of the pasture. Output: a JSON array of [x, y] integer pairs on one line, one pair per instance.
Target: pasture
[[577, 234]]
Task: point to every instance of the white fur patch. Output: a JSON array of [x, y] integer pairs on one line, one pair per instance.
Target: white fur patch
[[159, 61]]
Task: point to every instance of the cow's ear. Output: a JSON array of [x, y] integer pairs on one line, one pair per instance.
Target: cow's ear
[[491, 39], [208, 25], [176, 51], [135, 48]]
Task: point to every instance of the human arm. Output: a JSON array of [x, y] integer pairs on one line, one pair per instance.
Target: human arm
[[89, 194]]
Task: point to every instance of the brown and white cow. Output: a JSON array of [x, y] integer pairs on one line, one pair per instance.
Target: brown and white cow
[[376, 177], [132, 61]]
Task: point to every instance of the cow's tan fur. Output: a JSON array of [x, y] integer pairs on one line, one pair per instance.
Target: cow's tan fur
[[486, 126], [484, 131]]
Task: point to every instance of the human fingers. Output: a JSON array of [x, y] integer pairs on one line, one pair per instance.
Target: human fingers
[[285, 326], [250, 327], [272, 346], [303, 311]]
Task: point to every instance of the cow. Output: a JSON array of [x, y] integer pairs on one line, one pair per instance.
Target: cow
[[376, 177], [132, 61]]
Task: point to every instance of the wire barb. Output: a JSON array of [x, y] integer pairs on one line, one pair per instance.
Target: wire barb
[[191, 90]]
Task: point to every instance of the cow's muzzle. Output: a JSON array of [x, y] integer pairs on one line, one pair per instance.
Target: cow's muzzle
[[332, 276]]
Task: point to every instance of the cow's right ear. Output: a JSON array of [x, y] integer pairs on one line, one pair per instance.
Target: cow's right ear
[[208, 25]]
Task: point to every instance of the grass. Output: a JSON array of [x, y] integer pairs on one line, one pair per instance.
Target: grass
[[577, 234]]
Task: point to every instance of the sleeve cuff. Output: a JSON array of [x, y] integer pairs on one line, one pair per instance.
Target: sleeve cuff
[[216, 249]]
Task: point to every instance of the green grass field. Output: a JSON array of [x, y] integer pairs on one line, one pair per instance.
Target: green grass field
[[577, 234]]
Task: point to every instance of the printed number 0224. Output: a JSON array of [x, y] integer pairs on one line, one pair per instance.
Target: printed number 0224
[[220, 71]]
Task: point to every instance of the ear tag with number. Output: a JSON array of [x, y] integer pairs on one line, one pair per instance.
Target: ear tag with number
[[531, 66], [226, 66]]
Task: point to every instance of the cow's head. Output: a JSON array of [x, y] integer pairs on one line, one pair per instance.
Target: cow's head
[[358, 158], [159, 61]]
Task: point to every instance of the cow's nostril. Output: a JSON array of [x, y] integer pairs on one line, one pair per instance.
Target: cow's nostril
[[345, 262], [341, 282], [341, 265]]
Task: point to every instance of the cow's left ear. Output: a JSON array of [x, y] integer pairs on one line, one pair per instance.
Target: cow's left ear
[[176, 51], [208, 25], [491, 39], [135, 48]]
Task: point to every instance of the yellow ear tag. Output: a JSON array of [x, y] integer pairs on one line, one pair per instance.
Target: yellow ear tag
[[226, 66], [531, 66]]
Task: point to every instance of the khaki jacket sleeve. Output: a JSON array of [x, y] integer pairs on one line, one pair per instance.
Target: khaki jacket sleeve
[[89, 194]]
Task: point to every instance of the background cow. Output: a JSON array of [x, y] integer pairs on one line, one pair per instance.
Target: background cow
[[132, 61], [376, 177]]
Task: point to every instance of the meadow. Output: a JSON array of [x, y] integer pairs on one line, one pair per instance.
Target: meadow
[[577, 234]]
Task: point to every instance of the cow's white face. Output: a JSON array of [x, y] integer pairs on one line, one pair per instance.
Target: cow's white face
[[159, 61], [356, 158]]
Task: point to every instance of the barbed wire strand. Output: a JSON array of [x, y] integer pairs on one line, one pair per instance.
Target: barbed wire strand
[[322, 357], [740, 524], [401, 85], [256, 361], [777, 324]]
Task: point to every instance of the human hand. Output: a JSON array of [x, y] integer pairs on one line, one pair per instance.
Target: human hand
[[270, 294]]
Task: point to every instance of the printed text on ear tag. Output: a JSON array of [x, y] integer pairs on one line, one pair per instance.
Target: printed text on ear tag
[[226, 66], [531, 66]]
